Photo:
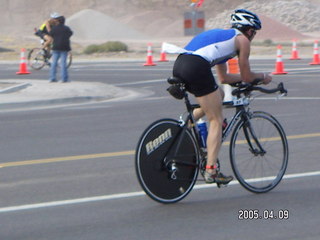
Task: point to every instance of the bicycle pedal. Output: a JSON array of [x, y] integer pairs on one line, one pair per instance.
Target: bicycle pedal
[[220, 185]]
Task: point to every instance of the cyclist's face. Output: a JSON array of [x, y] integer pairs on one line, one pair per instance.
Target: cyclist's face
[[52, 22], [55, 21], [251, 33]]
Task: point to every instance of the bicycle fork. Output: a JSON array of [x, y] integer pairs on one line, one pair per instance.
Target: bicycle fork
[[252, 138]]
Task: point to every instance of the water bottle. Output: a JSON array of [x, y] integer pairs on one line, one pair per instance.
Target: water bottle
[[203, 131]]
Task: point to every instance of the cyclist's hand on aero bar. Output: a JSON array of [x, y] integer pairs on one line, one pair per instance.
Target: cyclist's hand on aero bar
[[267, 78]]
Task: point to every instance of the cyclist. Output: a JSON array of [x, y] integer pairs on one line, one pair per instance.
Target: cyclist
[[44, 29], [213, 48]]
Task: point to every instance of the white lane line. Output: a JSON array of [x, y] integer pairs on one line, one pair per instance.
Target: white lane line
[[127, 195], [287, 176], [287, 98], [139, 82], [69, 202]]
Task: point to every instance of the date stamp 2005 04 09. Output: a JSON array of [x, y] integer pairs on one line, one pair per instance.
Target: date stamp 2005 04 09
[[253, 214]]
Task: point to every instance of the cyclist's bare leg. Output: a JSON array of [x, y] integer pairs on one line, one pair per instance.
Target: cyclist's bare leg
[[199, 113], [47, 44], [211, 105]]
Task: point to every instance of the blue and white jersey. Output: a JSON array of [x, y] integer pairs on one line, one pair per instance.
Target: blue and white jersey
[[216, 45]]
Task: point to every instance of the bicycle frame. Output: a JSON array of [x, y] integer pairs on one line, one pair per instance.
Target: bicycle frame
[[170, 161], [189, 120], [233, 121]]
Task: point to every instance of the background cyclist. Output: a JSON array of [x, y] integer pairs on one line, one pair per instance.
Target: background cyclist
[[213, 48], [44, 29]]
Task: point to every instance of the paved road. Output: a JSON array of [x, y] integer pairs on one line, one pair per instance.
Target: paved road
[[68, 172]]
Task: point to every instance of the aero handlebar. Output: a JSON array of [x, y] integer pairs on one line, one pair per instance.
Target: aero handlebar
[[245, 88]]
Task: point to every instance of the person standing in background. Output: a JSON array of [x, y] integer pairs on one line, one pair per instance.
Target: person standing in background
[[61, 35]]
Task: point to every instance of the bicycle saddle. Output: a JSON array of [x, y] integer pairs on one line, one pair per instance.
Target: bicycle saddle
[[177, 89], [175, 80]]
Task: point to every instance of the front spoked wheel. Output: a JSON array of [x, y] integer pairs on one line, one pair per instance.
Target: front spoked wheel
[[69, 59], [259, 152], [167, 161], [36, 58]]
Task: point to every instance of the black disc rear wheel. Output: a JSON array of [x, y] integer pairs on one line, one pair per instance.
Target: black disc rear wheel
[[167, 170]]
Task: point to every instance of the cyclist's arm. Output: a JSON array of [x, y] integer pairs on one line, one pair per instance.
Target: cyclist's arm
[[246, 75], [227, 78], [224, 77], [48, 26], [243, 47]]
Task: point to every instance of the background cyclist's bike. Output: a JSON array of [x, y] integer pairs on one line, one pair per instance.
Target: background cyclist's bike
[[169, 155], [39, 57]]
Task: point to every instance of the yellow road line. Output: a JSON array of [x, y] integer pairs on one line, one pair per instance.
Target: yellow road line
[[64, 159], [309, 135], [117, 154]]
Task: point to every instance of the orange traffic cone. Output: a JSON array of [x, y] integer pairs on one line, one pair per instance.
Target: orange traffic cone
[[23, 65], [294, 54], [279, 63], [316, 60], [149, 61], [233, 66], [163, 56]]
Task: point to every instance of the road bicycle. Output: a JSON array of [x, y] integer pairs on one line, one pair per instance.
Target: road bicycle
[[169, 155], [39, 57]]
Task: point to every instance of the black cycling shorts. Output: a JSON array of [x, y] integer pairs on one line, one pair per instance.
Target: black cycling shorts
[[196, 72], [40, 34]]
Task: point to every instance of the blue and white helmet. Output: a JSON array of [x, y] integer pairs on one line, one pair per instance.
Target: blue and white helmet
[[55, 15], [242, 17]]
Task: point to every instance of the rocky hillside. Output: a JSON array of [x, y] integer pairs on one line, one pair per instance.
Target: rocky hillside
[[300, 15], [21, 16], [155, 18]]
